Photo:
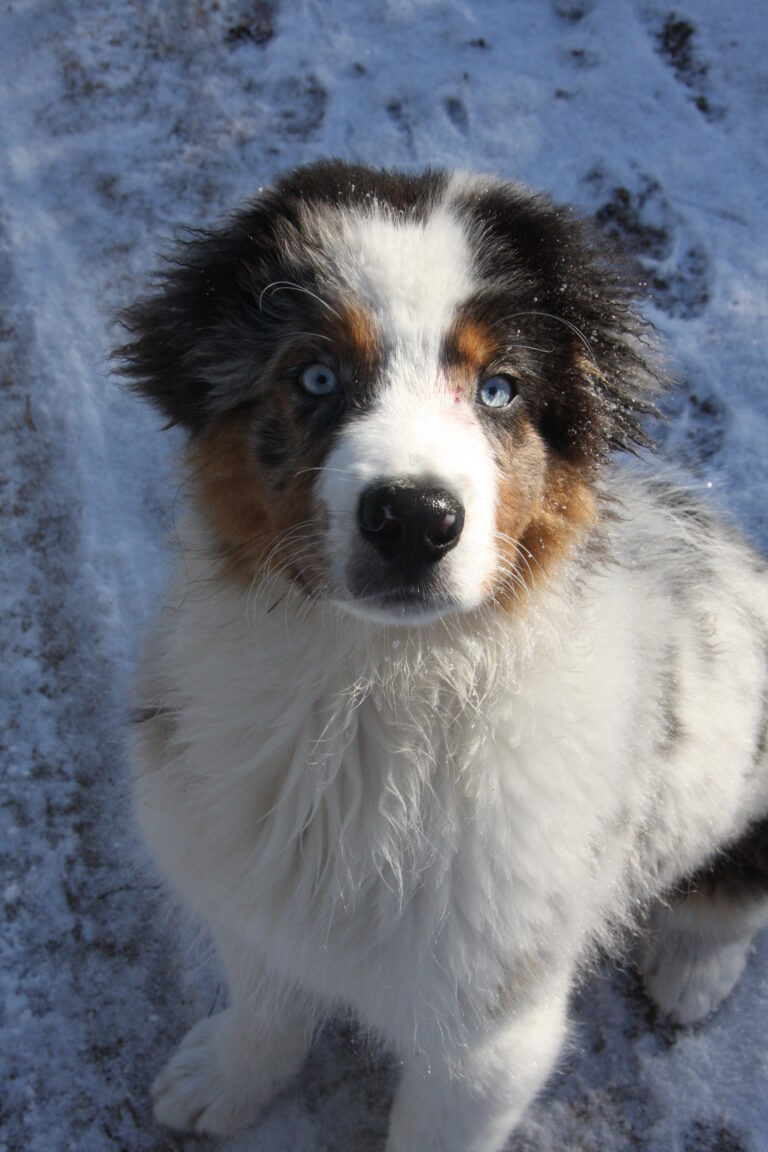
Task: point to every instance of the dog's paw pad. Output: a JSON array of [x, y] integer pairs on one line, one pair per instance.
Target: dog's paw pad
[[196, 1092], [688, 983]]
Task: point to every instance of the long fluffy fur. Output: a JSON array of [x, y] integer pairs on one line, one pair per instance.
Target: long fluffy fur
[[433, 820]]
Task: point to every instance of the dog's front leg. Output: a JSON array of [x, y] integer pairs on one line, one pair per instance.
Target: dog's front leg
[[469, 1100], [229, 1066]]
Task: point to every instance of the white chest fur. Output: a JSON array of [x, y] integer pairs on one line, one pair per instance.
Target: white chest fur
[[435, 809], [373, 803]]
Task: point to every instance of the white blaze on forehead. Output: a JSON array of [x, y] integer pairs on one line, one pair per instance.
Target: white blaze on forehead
[[411, 274], [415, 432]]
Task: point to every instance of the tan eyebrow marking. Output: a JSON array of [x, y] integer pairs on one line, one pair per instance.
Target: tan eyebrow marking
[[470, 346]]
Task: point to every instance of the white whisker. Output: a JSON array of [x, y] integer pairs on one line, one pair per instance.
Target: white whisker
[[291, 286]]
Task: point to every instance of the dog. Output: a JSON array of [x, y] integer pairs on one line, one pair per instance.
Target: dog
[[447, 700]]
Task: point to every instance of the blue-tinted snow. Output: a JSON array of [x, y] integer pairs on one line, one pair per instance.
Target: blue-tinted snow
[[120, 121]]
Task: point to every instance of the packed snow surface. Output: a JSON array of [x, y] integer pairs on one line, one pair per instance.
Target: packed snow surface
[[121, 120]]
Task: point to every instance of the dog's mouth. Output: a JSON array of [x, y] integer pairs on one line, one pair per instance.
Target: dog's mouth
[[403, 602], [413, 603]]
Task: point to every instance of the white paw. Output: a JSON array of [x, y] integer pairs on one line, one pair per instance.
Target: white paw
[[688, 978], [201, 1088]]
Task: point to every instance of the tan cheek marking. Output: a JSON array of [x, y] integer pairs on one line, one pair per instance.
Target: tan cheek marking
[[567, 509], [248, 519], [249, 516], [543, 506]]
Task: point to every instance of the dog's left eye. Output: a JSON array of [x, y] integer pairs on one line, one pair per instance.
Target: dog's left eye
[[319, 380], [497, 392]]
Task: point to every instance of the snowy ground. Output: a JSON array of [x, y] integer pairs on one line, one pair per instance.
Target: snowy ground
[[120, 120]]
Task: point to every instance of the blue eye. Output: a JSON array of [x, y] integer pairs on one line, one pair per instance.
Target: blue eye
[[319, 380], [497, 392]]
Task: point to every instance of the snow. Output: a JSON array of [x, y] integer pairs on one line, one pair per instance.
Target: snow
[[121, 121]]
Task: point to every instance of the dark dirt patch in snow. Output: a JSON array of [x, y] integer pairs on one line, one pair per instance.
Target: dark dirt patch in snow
[[676, 43], [255, 22], [705, 1137], [573, 10], [669, 258]]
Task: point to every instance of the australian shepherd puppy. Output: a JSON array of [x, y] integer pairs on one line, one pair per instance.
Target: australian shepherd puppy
[[444, 700]]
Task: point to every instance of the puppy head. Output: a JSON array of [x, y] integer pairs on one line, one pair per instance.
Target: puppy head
[[398, 389]]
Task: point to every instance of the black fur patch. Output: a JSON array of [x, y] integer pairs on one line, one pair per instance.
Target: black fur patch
[[354, 185], [740, 871], [539, 350], [274, 444]]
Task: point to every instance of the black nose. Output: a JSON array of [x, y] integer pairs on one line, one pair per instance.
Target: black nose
[[409, 524]]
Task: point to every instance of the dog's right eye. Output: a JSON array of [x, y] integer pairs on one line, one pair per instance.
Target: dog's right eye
[[319, 380]]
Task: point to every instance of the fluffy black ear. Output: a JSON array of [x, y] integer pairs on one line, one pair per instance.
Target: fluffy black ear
[[178, 333], [621, 365], [197, 345]]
